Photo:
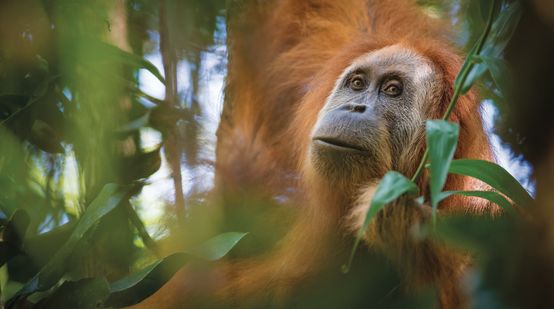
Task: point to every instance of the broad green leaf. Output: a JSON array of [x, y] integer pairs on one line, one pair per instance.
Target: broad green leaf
[[491, 196], [442, 138], [391, 187], [50, 274], [493, 175], [88, 293], [138, 286], [217, 247]]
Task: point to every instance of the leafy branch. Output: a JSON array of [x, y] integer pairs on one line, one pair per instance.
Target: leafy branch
[[461, 81], [442, 136]]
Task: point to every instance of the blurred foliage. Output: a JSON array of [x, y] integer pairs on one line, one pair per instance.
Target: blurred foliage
[[72, 112], [73, 158]]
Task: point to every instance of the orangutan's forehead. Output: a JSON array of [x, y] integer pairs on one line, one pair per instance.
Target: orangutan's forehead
[[394, 58]]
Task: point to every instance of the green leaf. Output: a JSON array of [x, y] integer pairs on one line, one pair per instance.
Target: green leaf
[[442, 138], [501, 32], [45, 137], [16, 227], [88, 293], [50, 274], [12, 235], [480, 234], [391, 187], [217, 247], [131, 59], [499, 71], [491, 196], [503, 29], [142, 165], [467, 65], [138, 286], [135, 124], [477, 70], [495, 176]]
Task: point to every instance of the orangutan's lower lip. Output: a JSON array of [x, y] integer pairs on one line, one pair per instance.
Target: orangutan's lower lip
[[339, 145]]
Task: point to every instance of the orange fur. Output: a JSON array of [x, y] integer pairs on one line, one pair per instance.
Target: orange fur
[[284, 59]]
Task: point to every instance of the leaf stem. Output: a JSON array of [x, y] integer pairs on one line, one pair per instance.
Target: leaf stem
[[462, 77]]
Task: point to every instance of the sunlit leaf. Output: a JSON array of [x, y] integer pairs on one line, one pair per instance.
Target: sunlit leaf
[[442, 138], [493, 175], [106, 201]]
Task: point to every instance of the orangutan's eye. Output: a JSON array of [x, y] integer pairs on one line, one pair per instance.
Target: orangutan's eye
[[392, 87], [357, 83]]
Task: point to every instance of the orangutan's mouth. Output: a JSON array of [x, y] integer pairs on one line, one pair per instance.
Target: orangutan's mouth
[[340, 145]]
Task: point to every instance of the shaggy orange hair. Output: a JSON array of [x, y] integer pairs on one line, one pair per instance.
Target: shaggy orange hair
[[284, 59]]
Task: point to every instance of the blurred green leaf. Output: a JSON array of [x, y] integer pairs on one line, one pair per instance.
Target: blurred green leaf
[[491, 196], [480, 234], [217, 247], [142, 165], [108, 198], [12, 235], [45, 137], [138, 286], [11, 104], [493, 175], [499, 71], [391, 187], [130, 59], [499, 36], [88, 293], [135, 124], [442, 138], [16, 227], [503, 29]]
